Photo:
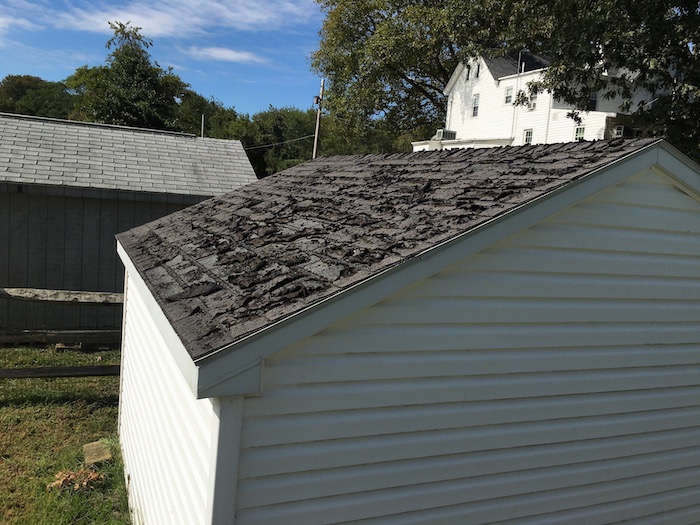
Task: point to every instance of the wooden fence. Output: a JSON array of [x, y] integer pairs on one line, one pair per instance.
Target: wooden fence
[[90, 337]]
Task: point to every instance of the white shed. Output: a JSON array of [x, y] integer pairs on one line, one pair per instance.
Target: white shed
[[504, 335]]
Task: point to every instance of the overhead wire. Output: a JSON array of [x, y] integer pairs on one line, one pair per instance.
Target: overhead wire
[[278, 143]]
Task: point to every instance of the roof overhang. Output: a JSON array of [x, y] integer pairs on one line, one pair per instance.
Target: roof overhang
[[532, 72], [236, 369]]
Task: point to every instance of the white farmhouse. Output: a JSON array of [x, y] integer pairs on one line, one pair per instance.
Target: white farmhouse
[[481, 109]]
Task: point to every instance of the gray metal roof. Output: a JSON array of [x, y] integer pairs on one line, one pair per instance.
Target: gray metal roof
[[55, 152], [241, 262]]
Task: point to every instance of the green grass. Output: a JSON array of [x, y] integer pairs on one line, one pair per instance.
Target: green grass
[[43, 425]]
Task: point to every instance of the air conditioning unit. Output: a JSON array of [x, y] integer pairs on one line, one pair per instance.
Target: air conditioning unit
[[445, 134]]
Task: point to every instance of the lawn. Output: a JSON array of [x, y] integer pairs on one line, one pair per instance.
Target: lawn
[[44, 424]]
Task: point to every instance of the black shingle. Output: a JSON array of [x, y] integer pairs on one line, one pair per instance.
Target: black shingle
[[240, 262]]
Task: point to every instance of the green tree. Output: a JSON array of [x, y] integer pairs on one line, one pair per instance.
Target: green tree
[[218, 119], [616, 46], [30, 95], [277, 138], [385, 58], [129, 89], [392, 58]]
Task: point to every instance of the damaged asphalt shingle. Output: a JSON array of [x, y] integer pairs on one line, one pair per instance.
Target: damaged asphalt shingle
[[234, 264]]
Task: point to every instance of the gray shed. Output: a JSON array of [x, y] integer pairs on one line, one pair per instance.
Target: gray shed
[[508, 335], [67, 188]]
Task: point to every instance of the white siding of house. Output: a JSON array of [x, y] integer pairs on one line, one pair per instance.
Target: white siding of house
[[164, 432], [498, 122], [552, 378], [495, 116]]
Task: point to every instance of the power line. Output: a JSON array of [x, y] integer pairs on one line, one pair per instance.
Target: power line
[[278, 143]]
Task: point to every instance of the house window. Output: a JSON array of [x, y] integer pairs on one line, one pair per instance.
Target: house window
[[532, 103], [619, 131], [579, 132], [527, 138], [469, 70], [475, 106], [478, 69], [592, 102], [509, 95]]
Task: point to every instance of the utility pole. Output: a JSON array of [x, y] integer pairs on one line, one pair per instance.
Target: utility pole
[[317, 100]]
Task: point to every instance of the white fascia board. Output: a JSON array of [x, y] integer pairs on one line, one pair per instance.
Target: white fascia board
[[681, 169], [453, 79], [218, 371], [182, 358]]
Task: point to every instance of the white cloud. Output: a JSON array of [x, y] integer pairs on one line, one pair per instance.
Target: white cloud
[[186, 17], [224, 55], [18, 14]]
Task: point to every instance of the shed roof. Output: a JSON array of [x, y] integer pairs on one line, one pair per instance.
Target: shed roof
[[239, 263], [54, 152]]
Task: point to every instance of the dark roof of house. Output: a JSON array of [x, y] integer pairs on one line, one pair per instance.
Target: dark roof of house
[[54, 152], [508, 65], [236, 264]]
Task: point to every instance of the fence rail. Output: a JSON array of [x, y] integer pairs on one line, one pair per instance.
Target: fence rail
[[59, 371], [89, 337], [61, 296], [46, 336]]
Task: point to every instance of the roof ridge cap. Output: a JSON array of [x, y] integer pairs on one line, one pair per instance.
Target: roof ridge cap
[[80, 123]]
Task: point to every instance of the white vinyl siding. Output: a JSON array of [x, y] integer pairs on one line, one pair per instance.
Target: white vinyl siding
[[552, 378], [491, 97], [164, 432]]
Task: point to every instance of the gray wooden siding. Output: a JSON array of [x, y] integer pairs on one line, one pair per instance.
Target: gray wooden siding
[[56, 241], [553, 378], [164, 432]]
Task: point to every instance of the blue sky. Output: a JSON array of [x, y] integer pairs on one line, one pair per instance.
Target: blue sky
[[248, 54]]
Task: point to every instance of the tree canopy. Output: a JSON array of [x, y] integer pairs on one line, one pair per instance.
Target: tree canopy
[[30, 95], [392, 58], [129, 89]]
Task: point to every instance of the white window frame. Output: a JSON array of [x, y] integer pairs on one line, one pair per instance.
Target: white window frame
[[532, 102], [579, 133], [509, 95], [475, 105], [527, 136], [619, 131]]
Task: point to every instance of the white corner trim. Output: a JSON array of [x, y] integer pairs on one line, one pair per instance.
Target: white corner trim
[[224, 454]]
